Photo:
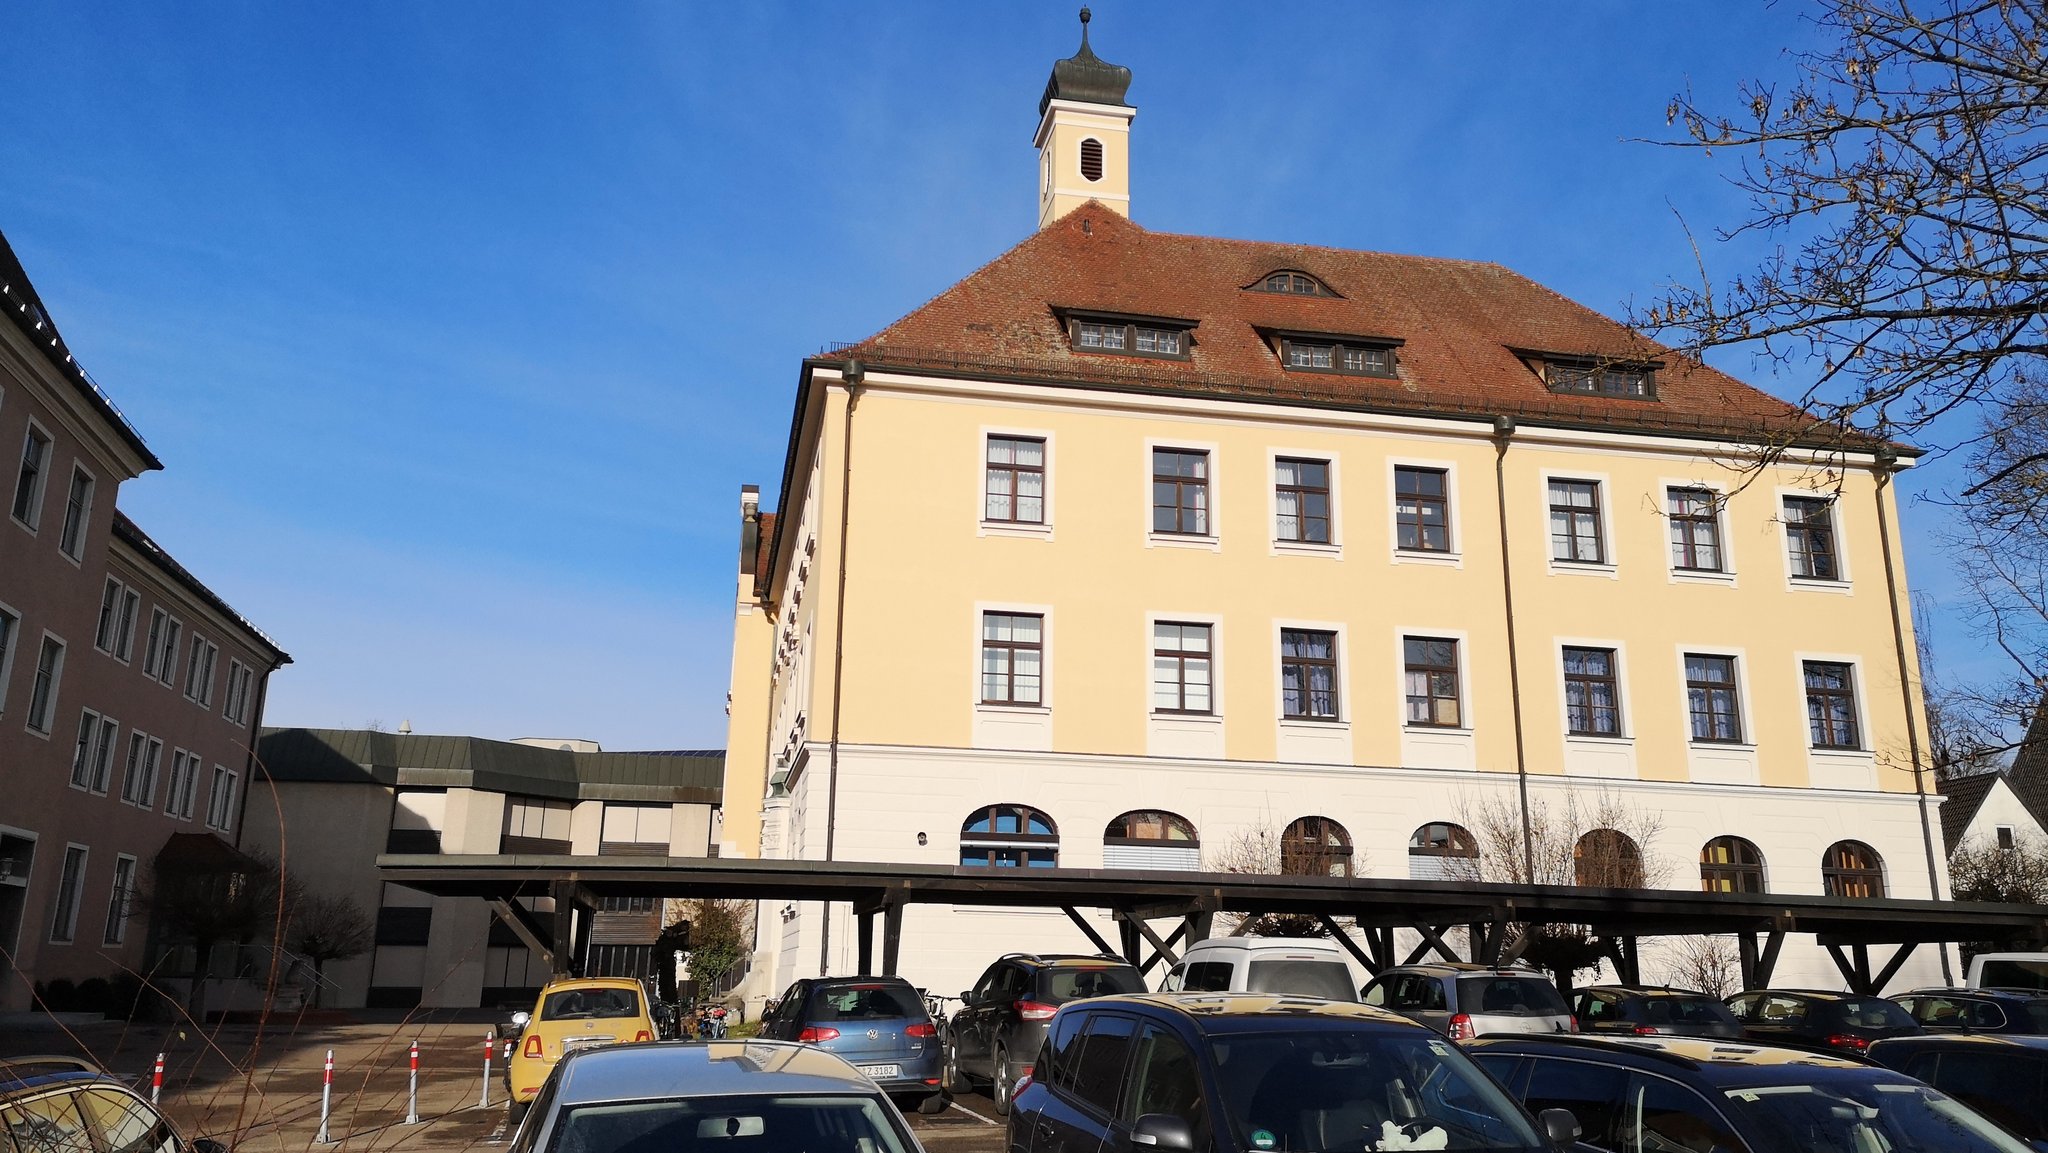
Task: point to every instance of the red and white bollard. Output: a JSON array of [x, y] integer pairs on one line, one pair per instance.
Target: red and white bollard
[[490, 1043], [326, 1097], [156, 1081], [412, 1087]]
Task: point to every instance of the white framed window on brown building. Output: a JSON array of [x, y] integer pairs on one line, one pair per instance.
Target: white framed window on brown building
[[1013, 490], [77, 513], [49, 676], [236, 706], [70, 892], [10, 635], [119, 899], [31, 478], [138, 779], [199, 669], [1012, 658]]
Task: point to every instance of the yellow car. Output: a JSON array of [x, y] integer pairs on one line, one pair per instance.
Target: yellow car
[[575, 1014]]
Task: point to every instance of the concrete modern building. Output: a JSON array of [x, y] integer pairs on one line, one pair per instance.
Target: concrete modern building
[[129, 690], [1133, 549], [330, 800]]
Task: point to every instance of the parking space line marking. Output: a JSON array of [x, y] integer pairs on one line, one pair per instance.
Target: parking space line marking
[[993, 1124]]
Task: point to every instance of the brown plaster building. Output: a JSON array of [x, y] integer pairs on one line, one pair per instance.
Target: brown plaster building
[[130, 693]]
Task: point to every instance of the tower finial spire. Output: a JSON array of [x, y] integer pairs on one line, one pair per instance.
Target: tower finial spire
[[1085, 52]]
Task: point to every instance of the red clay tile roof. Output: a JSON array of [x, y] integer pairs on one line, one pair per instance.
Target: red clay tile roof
[[1462, 324]]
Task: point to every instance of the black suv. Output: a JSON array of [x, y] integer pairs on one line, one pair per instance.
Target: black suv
[[1260, 1073], [1819, 1020], [62, 1103], [1976, 1010], [2003, 1077], [1674, 1094], [1001, 1023], [1647, 1012]]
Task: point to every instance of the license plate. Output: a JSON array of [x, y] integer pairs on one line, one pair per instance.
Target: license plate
[[878, 1072], [569, 1044]]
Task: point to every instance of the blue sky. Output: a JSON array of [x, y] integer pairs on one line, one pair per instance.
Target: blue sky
[[459, 325]]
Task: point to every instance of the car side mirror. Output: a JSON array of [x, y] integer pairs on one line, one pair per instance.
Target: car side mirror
[[1163, 1131], [1560, 1128], [967, 996], [208, 1145], [520, 1019]]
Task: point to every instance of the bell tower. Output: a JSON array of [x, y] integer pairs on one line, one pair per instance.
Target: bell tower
[[1084, 135]]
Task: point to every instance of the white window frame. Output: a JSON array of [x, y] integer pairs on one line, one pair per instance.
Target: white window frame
[[1453, 512], [1610, 547], [130, 615], [1745, 711], [34, 526], [82, 751], [92, 488], [1213, 541], [982, 609], [1343, 659], [146, 766], [77, 894], [220, 807], [1330, 460], [1860, 684], [1726, 577], [1215, 623], [1842, 585], [10, 643], [199, 681], [49, 718], [119, 900], [235, 706], [174, 637], [182, 792], [1463, 638], [1623, 705], [105, 741], [987, 527]]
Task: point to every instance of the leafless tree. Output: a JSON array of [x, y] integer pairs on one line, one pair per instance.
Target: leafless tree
[[1706, 964], [1261, 849], [1983, 871], [325, 928], [205, 903], [1903, 177]]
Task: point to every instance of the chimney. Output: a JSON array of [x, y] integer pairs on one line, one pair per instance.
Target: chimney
[[750, 526]]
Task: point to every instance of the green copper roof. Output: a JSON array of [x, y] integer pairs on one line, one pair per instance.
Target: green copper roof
[[1086, 77], [342, 756]]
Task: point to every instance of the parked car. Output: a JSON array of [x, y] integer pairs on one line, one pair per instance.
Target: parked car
[[2024, 971], [1464, 1001], [2003, 1077], [61, 1104], [1254, 1073], [573, 1014], [1646, 1012], [1000, 1026], [1818, 1020], [1673, 1094], [1976, 1010], [1307, 967], [705, 1096], [877, 1023]]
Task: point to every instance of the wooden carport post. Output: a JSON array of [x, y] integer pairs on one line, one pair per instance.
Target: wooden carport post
[[866, 935], [892, 934], [565, 952]]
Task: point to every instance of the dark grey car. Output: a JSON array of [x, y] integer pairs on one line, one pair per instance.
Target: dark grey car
[[1647, 1012], [1000, 1028], [879, 1024]]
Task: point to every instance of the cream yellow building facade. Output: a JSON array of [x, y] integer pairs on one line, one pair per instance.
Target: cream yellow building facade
[[1617, 579]]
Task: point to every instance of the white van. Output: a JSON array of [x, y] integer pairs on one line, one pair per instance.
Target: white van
[[2025, 971], [1302, 966]]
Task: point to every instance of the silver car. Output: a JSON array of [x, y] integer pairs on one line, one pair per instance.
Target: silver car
[[710, 1097], [1466, 1001]]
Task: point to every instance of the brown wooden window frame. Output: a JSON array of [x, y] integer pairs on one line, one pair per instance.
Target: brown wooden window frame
[[1615, 380], [1811, 541], [1010, 649], [1205, 511], [1375, 359], [1323, 845], [1180, 657], [1431, 671], [1126, 829], [1302, 668], [1692, 531], [1840, 877], [1009, 849], [1419, 523], [1015, 472], [1616, 860], [1574, 512], [1587, 683], [1703, 690], [1304, 495], [1132, 331], [1293, 282], [1825, 727], [1738, 868], [1457, 842]]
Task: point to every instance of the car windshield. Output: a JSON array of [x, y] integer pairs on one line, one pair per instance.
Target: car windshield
[[1076, 982], [1330, 980], [742, 1124], [1892, 1118], [1686, 1011], [1510, 996], [2013, 973], [575, 1004], [1873, 1013], [863, 1003], [1355, 1090]]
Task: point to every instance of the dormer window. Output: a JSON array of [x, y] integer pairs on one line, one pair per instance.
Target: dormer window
[[1158, 337], [1601, 378], [1342, 355], [1288, 282]]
